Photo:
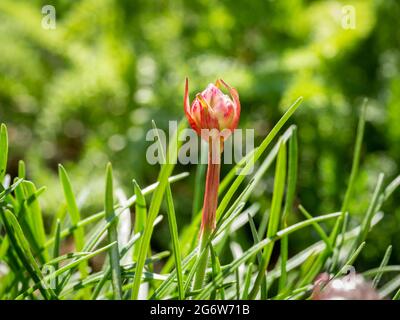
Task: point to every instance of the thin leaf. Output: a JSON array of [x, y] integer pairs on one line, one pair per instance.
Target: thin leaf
[[372, 209], [199, 182], [216, 269], [383, 264], [155, 204], [173, 229], [35, 216], [56, 248], [247, 281], [73, 210], [290, 194], [352, 259], [112, 235], [275, 217], [140, 216], [317, 228], [21, 169], [356, 158], [3, 151]]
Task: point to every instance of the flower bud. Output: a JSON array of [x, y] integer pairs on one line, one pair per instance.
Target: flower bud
[[212, 109]]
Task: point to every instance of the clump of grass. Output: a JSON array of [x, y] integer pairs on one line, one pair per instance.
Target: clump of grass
[[33, 267]]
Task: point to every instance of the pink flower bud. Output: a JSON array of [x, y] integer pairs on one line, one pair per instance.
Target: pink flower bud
[[212, 109]]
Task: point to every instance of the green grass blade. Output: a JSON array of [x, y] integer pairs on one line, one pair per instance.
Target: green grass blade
[[292, 173], [21, 169], [199, 183], [35, 216], [388, 191], [256, 239], [383, 264], [216, 269], [317, 228], [165, 172], [283, 257], [247, 281], [56, 247], [290, 195], [372, 209], [140, 216], [397, 295], [112, 235], [275, 217], [390, 287], [10, 189], [237, 284], [72, 207], [67, 256], [351, 260], [3, 151], [356, 158], [375, 271], [173, 229]]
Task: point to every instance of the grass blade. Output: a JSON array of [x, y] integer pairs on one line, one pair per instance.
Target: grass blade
[[35, 216], [3, 151], [275, 217], [383, 264], [351, 260], [199, 182], [165, 172], [173, 229], [356, 158], [372, 209], [56, 248], [112, 235], [216, 269], [21, 169], [290, 195], [73, 210], [317, 228], [140, 216]]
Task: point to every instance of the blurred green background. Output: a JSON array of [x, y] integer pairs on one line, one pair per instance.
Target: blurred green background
[[86, 92]]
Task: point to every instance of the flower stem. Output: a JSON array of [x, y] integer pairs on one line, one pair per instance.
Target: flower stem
[[209, 210]]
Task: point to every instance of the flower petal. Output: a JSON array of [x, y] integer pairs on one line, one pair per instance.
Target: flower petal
[[186, 106], [235, 97]]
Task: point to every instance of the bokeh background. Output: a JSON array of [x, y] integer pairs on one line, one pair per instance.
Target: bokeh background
[[86, 92]]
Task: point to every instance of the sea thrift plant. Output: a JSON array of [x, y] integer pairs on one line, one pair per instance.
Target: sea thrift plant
[[213, 115]]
